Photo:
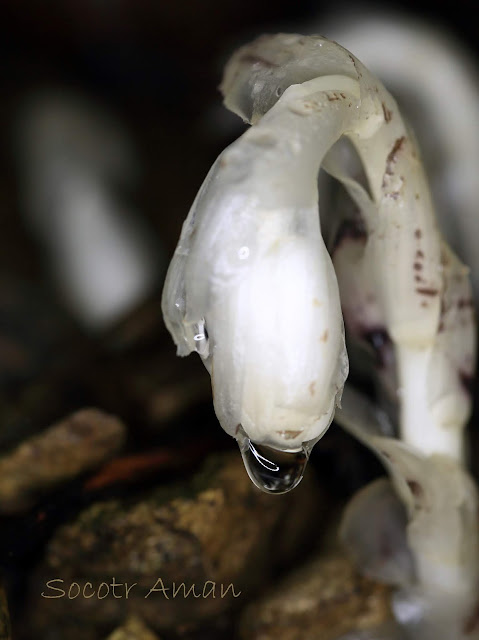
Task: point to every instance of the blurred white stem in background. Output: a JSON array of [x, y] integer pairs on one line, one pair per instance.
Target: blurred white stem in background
[[72, 160]]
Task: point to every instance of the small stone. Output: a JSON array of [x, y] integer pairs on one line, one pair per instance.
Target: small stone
[[324, 599], [133, 629], [62, 452]]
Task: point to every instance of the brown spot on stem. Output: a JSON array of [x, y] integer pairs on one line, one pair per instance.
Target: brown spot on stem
[[416, 489], [427, 291], [392, 157], [333, 97], [325, 335], [417, 266], [311, 388], [419, 254], [388, 114], [418, 233], [354, 63]]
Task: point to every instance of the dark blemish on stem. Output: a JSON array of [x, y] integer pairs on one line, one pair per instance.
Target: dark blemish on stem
[[335, 96], [465, 303], [427, 291], [419, 254], [417, 266], [392, 157], [311, 388], [418, 233], [388, 114], [324, 337], [354, 63], [391, 161], [415, 487]]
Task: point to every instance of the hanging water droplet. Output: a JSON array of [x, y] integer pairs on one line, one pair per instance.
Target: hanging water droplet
[[272, 470]]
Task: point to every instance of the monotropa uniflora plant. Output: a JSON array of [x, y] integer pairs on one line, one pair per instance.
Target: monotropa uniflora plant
[[259, 290]]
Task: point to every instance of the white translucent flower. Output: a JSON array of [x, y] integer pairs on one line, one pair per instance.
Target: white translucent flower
[[252, 288]]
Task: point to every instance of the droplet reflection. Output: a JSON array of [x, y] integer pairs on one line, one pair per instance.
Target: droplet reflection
[[272, 470]]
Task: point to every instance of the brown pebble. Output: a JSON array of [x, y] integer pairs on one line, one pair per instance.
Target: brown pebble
[[324, 599], [133, 629], [65, 450]]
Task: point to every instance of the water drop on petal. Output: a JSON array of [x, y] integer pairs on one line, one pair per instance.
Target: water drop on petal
[[272, 470]]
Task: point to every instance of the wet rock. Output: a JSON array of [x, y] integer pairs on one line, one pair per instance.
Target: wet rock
[[324, 599], [133, 629], [63, 451], [183, 553]]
